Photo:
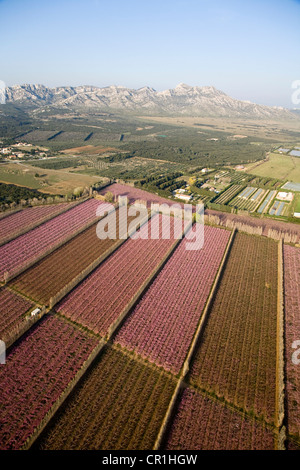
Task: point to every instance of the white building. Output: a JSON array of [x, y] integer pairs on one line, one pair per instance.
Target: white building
[[185, 197], [285, 196], [35, 312]]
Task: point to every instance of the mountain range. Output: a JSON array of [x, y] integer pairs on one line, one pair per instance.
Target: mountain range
[[182, 100]]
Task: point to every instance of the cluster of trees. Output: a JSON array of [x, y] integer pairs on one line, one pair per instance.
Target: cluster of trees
[[10, 193], [190, 149], [158, 180], [58, 164], [118, 157], [15, 197], [165, 183]]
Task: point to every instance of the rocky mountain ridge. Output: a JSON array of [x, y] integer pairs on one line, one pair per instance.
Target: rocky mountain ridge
[[183, 99]]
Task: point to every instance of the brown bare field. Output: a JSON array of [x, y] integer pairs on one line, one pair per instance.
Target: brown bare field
[[89, 149]]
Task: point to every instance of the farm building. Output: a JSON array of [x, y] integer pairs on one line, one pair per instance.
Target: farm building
[[185, 197], [285, 196]]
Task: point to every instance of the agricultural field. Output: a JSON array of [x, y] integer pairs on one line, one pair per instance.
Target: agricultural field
[[16, 174], [15, 224], [19, 253], [101, 298], [236, 356], [278, 208], [202, 199], [162, 325], [89, 150], [266, 203], [265, 129], [60, 182], [292, 335], [235, 177], [267, 227], [119, 405], [124, 324], [282, 167], [12, 312], [291, 186], [46, 278], [37, 136], [135, 194], [265, 182], [100, 368], [37, 371], [256, 197], [229, 194], [297, 204], [249, 199], [130, 169], [214, 427]]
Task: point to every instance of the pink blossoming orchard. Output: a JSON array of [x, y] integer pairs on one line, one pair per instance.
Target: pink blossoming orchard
[[140, 342]]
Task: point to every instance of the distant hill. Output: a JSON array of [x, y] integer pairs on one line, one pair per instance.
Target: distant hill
[[184, 99]]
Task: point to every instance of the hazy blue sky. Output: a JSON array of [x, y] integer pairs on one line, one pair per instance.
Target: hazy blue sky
[[249, 49]]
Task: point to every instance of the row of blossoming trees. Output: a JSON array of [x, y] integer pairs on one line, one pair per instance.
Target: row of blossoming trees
[[148, 296]]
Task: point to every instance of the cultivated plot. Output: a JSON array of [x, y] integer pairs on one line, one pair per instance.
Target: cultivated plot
[[162, 325], [15, 224], [236, 358], [201, 423], [46, 278], [36, 372], [101, 298], [291, 258], [20, 252], [12, 312], [120, 405]]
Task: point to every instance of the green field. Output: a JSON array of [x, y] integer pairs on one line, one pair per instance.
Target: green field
[[49, 181], [278, 166], [12, 173], [297, 205]]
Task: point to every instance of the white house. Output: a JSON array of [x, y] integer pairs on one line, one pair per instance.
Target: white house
[[185, 197], [35, 312]]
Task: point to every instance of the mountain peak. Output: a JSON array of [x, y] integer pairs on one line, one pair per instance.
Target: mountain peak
[[147, 88], [183, 86], [184, 99]]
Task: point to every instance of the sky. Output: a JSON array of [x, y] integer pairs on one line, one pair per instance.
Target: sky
[[248, 49]]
